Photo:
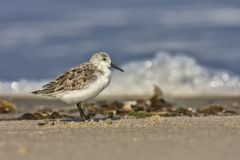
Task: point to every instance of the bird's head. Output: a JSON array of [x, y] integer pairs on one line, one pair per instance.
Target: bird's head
[[103, 59]]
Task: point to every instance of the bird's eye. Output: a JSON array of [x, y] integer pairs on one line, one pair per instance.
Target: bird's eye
[[104, 59]]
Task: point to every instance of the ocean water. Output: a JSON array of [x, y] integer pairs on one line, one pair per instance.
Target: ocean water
[[185, 47]]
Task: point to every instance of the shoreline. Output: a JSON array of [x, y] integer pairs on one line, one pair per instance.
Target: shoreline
[[34, 103], [29, 102]]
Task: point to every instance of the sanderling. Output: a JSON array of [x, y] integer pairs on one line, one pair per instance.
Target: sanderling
[[81, 83]]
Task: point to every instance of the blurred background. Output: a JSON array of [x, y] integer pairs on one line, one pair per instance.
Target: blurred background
[[185, 47]]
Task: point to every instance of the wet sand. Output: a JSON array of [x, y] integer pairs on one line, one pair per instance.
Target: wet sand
[[129, 138]]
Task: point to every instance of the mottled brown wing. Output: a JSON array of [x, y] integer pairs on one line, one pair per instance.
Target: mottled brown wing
[[76, 78]]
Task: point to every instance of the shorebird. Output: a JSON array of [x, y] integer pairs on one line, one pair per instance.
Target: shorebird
[[81, 83]]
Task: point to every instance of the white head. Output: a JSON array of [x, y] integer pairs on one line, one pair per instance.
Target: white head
[[103, 60]]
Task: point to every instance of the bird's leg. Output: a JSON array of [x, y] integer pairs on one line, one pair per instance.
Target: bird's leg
[[82, 114]]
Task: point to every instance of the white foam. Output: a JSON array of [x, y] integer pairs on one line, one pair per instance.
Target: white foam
[[176, 75]]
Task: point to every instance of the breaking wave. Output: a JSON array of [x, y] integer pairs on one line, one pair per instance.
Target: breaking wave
[[174, 74]]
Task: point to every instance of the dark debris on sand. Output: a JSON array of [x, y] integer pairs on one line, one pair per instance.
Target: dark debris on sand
[[156, 105]]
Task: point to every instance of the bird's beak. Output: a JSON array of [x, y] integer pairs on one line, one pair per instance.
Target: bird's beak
[[116, 67]]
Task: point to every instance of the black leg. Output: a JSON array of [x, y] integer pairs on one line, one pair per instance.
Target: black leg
[[82, 114]]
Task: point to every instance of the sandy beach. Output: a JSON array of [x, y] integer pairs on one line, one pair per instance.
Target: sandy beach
[[156, 137]]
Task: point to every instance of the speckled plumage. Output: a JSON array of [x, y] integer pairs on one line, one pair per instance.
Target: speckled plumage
[[77, 78]]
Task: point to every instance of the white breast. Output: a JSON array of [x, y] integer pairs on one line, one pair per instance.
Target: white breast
[[83, 95]]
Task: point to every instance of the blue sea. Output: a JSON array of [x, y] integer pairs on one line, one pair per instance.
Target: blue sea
[[183, 46]]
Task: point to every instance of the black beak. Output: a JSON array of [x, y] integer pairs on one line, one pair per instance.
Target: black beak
[[116, 67]]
